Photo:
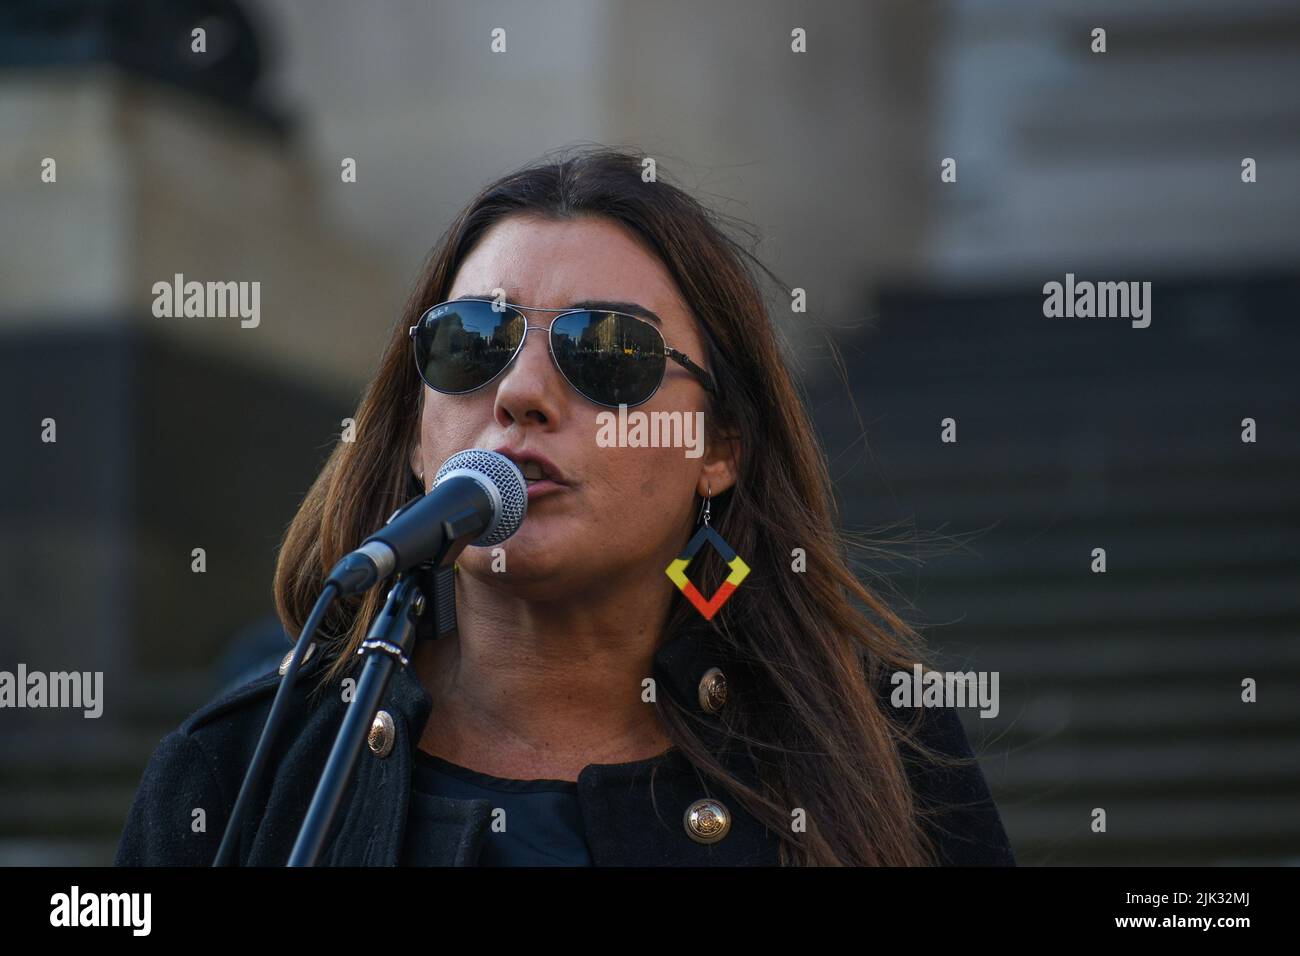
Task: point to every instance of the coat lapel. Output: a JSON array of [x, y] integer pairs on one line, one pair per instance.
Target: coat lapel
[[374, 815], [633, 813]]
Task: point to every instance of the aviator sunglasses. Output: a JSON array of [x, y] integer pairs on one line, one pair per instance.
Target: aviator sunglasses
[[610, 358]]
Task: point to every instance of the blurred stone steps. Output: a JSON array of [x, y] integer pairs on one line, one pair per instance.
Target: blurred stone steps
[[1160, 831], [1149, 661], [66, 783]]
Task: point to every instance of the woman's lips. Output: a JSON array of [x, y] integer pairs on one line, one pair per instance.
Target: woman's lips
[[544, 486]]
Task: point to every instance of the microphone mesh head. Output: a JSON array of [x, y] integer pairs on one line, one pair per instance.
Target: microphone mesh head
[[504, 476]]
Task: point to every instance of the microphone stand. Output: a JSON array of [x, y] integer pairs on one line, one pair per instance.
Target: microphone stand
[[391, 639]]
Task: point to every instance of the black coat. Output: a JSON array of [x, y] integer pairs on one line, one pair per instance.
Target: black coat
[[202, 764]]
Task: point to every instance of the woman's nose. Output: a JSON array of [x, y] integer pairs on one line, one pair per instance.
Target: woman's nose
[[532, 382], [535, 354]]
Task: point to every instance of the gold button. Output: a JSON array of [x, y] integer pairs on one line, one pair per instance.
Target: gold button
[[382, 734], [284, 664], [713, 690], [707, 821]]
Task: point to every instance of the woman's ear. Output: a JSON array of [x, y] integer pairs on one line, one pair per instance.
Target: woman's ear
[[721, 467]]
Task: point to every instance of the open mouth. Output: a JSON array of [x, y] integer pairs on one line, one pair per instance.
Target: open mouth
[[539, 474], [533, 473]]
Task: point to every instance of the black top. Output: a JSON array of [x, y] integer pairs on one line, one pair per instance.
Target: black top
[[534, 822], [632, 813]]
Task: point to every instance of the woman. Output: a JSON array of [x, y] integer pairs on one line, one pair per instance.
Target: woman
[[584, 711]]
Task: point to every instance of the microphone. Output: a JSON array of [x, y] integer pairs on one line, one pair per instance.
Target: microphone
[[476, 494]]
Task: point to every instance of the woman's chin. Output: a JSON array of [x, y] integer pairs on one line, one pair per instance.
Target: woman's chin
[[520, 559]]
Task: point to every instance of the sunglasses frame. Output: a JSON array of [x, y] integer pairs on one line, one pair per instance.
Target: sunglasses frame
[[681, 358]]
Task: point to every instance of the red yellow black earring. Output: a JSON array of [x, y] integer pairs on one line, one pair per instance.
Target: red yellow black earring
[[676, 571]]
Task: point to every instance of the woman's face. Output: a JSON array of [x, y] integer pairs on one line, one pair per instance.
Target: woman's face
[[621, 511]]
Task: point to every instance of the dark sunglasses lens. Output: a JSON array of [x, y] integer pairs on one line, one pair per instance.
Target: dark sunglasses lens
[[461, 346], [610, 358]]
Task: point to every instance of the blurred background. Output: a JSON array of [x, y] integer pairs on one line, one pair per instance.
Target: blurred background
[[1119, 690]]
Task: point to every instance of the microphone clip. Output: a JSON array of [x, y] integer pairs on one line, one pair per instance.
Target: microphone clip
[[438, 585]]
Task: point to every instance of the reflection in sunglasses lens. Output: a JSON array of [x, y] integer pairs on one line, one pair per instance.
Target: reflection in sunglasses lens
[[465, 345], [610, 358]]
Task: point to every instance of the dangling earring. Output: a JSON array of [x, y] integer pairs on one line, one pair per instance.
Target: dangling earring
[[676, 571]]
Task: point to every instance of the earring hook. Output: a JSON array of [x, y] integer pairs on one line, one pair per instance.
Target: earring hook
[[706, 507]]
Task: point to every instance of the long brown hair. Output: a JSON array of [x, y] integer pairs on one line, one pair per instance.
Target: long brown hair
[[822, 641]]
